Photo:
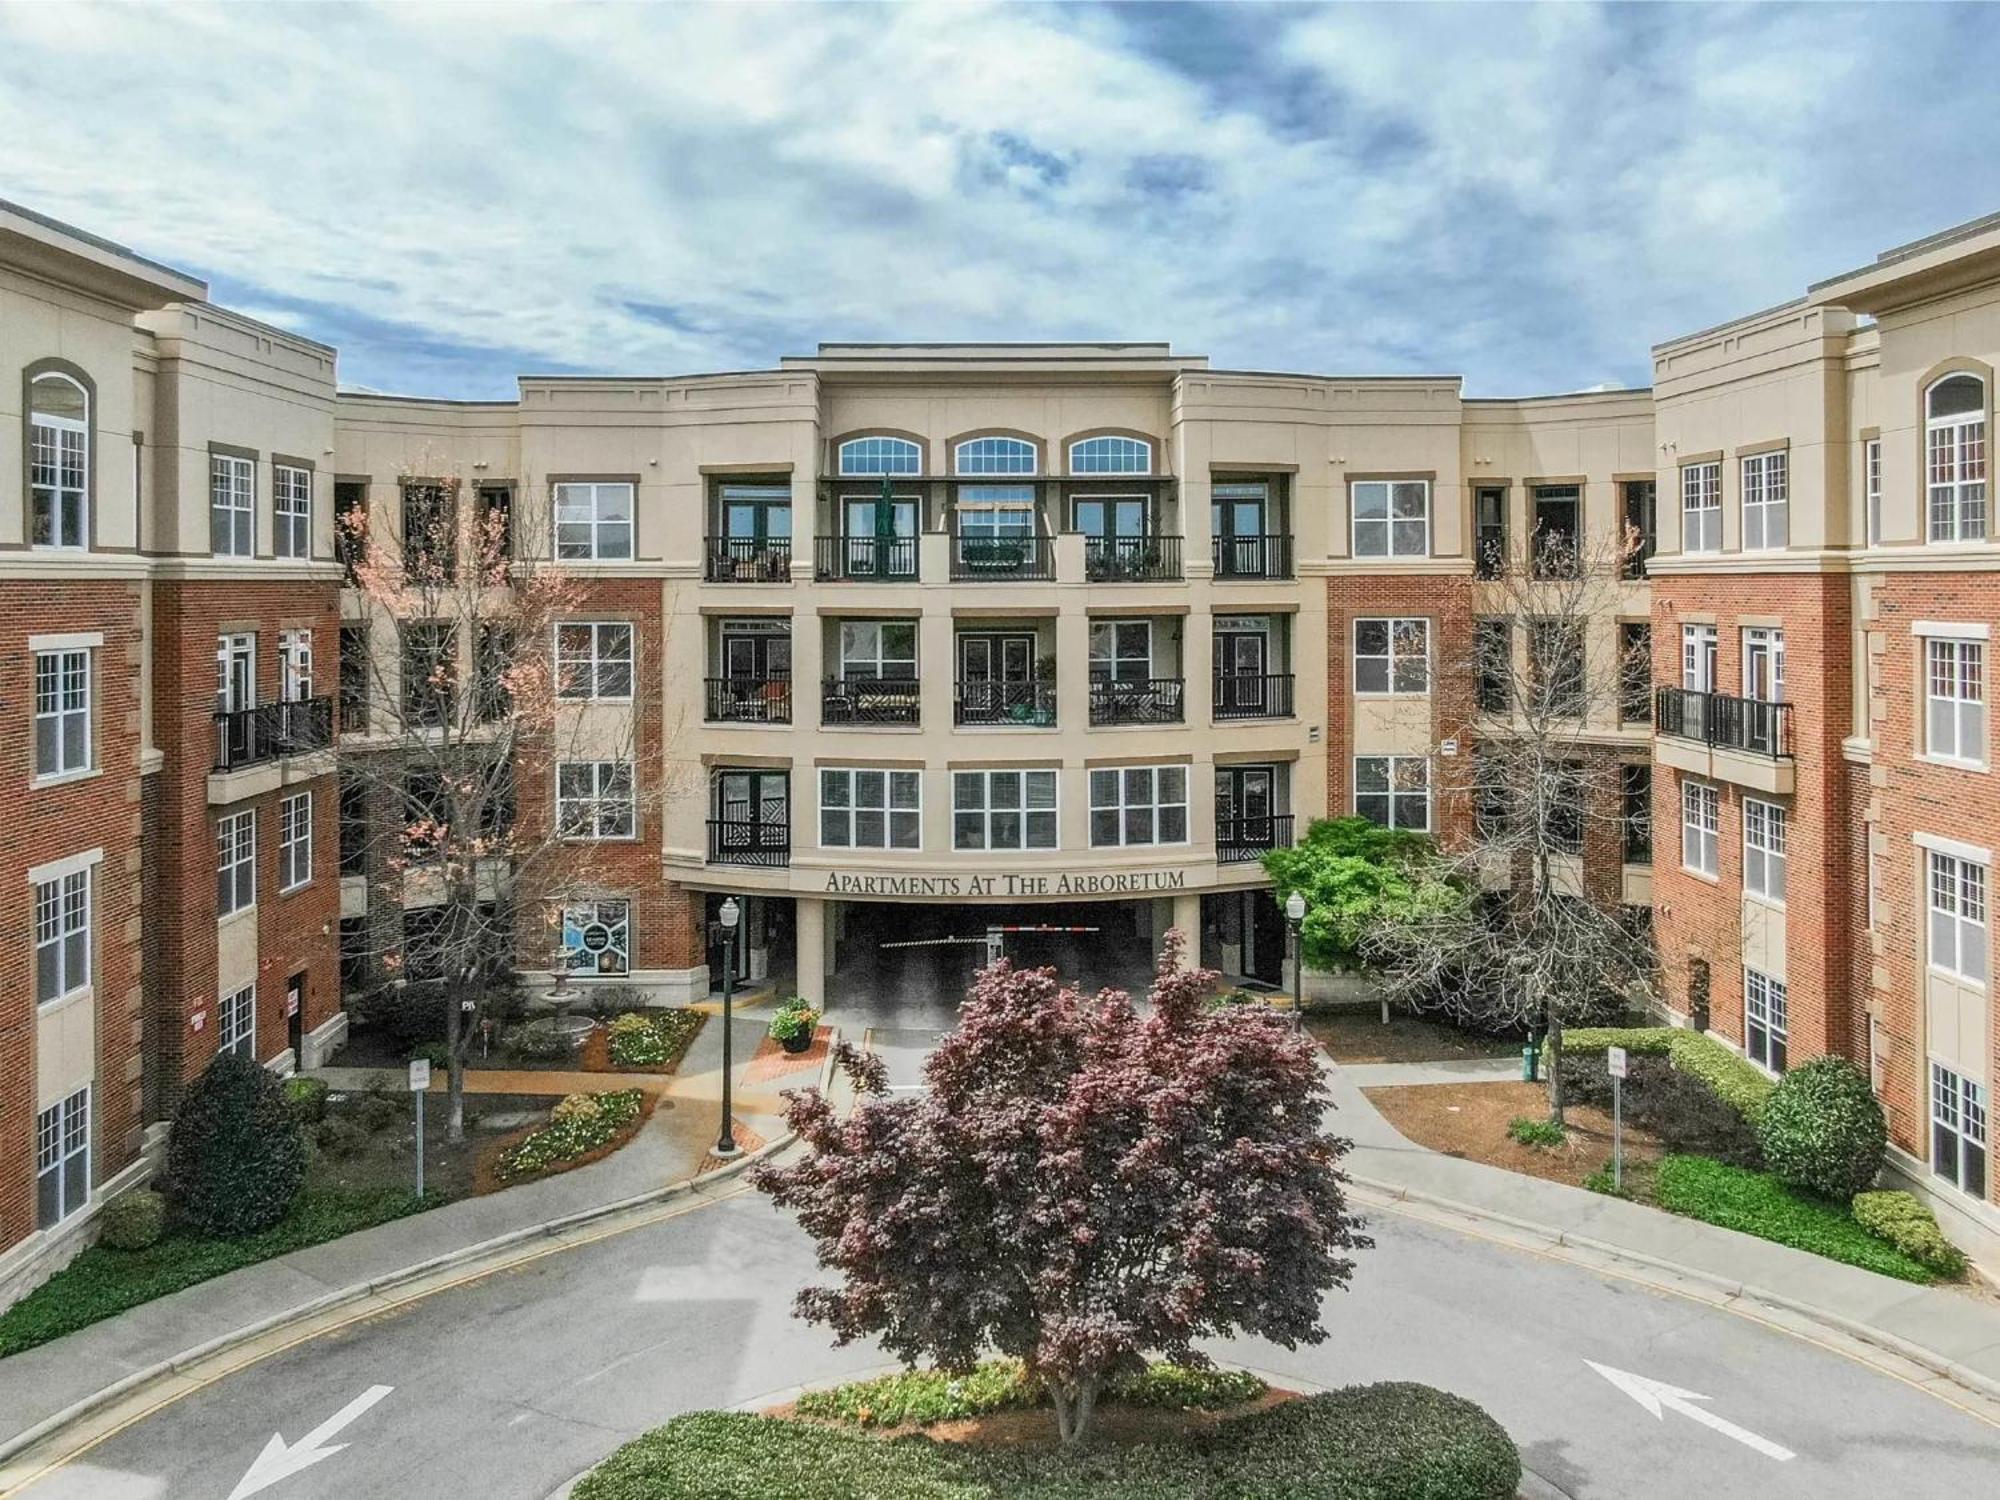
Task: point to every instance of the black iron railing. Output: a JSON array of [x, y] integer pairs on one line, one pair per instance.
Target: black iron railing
[[1247, 696], [1132, 559], [1240, 839], [1253, 557], [749, 700], [869, 559], [1143, 700], [270, 731], [870, 700], [1002, 559], [739, 559], [1006, 703], [763, 841], [1747, 724]]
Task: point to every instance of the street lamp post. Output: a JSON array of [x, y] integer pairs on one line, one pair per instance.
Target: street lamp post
[[1295, 913], [725, 1144]]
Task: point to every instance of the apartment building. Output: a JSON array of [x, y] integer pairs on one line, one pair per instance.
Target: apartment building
[[164, 578], [1821, 619]]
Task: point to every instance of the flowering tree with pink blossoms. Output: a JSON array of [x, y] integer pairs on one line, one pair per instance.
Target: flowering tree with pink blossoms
[[1082, 1185]]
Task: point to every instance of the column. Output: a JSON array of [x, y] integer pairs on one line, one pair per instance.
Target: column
[[809, 923], [1187, 917]]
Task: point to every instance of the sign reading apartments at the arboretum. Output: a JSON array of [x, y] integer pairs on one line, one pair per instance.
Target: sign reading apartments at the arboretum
[[1117, 883]]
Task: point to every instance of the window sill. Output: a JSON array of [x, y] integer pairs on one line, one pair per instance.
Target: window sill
[[66, 778], [1704, 875], [65, 1002], [1952, 762], [293, 890], [1758, 898], [224, 919], [1950, 978]]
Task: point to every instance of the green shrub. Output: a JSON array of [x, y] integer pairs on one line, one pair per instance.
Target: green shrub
[[1180, 1388], [652, 1039], [133, 1221], [1822, 1129], [1906, 1222], [377, 1111], [1600, 1182], [409, 1014], [925, 1396], [236, 1156], [1381, 1442], [1684, 1113], [1735, 1080], [437, 1054], [1545, 1133], [792, 1020], [539, 1041], [575, 1130], [1760, 1203], [306, 1099], [340, 1138]]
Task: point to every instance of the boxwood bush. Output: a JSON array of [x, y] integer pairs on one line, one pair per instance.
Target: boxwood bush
[[1822, 1129], [133, 1221], [236, 1155], [1379, 1442], [1682, 1111], [1907, 1223]]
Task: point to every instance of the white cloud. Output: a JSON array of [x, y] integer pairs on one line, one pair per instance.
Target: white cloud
[[452, 193]]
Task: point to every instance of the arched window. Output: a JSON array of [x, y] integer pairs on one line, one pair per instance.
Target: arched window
[[1955, 458], [1111, 455], [881, 455], [58, 462], [995, 455]]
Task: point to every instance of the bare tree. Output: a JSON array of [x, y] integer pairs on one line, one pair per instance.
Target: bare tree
[[1505, 926], [485, 764]]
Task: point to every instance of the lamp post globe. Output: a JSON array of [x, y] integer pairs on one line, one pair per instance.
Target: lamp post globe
[[729, 915]]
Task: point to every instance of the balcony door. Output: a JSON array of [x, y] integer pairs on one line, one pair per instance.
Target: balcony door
[[753, 810], [756, 651], [994, 675], [1242, 662], [235, 673], [1106, 518], [1245, 800], [1763, 682], [1239, 518], [1698, 658], [756, 514], [880, 537]]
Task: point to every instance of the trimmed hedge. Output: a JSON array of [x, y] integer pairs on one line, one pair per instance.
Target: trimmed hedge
[[921, 1397], [236, 1157], [1823, 1131], [133, 1221], [1760, 1203], [1736, 1080], [1379, 1442], [1906, 1222], [1685, 1114]]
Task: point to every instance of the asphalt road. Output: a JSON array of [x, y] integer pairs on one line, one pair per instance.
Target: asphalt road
[[507, 1387]]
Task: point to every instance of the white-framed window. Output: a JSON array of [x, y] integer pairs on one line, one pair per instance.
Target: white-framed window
[[62, 712], [1131, 805], [994, 455], [58, 462], [595, 799], [1393, 791], [1766, 502], [861, 809], [1701, 827], [880, 455], [1121, 650], [1764, 849], [1958, 1130], [232, 505], [236, 865], [295, 665], [594, 659], [1955, 458], [1955, 700], [235, 673], [994, 512], [597, 937], [1392, 655], [1392, 517], [291, 510], [295, 841], [1699, 647], [1764, 1030], [236, 1022], [594, 521], [1111, 455], [878, 649], [1701, 507], [1957, 916], [62, 1159], [1003, 810], [62, 936], [1871, 473]]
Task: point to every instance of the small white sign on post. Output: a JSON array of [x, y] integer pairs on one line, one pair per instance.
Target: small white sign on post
[[420, 1074], [1614, 1057], [420, 1082]]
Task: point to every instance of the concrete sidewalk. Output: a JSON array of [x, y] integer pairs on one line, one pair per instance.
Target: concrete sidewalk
[[672, 1148], [1938, 1327]]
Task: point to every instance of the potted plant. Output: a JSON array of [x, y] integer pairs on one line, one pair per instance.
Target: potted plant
[[794, 1024]]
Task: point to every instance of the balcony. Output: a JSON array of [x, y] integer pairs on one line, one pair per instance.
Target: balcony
[[870, 700], [1132, 559], [865, 559], [1240, 840], [1142, 700], [1253, 557], [751, 841], [1003, 559], [1745, 741], [1030, 704], [1246, 696], [749, 700], [271, 731], [353, 713], [734, 559]]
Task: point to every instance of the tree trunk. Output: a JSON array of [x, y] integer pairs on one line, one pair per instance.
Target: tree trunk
[[1555, 1054], [454, 1065], [1076, 1406]]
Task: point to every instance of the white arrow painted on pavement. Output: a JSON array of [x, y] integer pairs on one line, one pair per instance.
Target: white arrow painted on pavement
[[279, 1462], [1658, 1398]]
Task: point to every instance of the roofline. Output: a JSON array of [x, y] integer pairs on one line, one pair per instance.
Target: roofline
[[1910, 251], [1749, 317], [340, 394], [186, 285], [1623, 390]]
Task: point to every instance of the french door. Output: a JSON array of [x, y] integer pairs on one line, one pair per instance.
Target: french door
[[1237, 517], [879, 537], [1245, 800], [1763, 682], [1242, 660], [1111, 516]]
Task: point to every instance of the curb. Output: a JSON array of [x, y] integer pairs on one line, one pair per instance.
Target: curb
[[1929, 1359], [13, 1447]]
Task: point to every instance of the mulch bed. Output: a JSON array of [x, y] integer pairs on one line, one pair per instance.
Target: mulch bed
[[773, 1061], [1470, 1120], [485, 1178], [594, 1056], [1036, 1427], [1358, 1036]]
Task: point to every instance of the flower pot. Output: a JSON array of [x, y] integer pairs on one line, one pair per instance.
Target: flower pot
[[798, 1041]]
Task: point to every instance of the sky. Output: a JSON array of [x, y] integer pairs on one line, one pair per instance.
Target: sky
[[455, 195]]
